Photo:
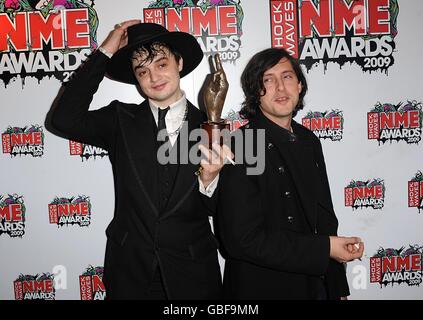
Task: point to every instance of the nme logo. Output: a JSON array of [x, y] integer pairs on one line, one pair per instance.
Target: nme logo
[[340, 31], [392, 266], [415, 191], [12, 215], [45, 38], [23, 141], [235, 121], [388, 122], [325, 125], [91, 284], [86, 151], [217, 24], [38, 287], [75, 210], [371, 193]]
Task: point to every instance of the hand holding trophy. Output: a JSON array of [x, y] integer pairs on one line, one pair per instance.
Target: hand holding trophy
[[218, 153]]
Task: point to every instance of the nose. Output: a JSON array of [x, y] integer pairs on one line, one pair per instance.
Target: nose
[[280, 85], [154, 76]]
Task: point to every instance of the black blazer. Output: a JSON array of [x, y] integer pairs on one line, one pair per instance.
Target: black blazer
[[270, 252], [178, 239]]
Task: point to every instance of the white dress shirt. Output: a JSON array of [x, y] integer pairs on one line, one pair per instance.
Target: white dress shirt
[[174, 119]]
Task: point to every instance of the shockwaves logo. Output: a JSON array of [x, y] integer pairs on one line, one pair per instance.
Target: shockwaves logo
[[75, 210], [23, 141], [85, 151], [38, 287], [415, 191], [217, 24], [390, 266], [340, 31], [235, 120], [91, 284], [388, 122], [12, 215], [40, 38], [325, 125], [370, 193]]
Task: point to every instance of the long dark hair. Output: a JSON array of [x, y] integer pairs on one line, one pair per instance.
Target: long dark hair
[[252, 79]]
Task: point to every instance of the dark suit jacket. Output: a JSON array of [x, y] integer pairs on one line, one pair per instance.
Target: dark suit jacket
[[272, 253], [178, 239]]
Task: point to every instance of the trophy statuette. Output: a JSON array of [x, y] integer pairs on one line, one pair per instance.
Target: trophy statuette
[[214, 99]]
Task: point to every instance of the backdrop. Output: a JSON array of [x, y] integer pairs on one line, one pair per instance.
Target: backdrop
[[363, 63]]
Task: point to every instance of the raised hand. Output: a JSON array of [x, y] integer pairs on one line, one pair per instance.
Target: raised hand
[[215, 91], [118, 37]]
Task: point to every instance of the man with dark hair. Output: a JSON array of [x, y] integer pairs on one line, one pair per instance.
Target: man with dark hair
[[160, 243], [279, 228]]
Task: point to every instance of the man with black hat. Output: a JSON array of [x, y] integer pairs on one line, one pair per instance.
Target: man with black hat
[[160, 243]]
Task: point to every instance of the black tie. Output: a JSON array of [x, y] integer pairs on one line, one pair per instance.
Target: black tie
[[162, 125]]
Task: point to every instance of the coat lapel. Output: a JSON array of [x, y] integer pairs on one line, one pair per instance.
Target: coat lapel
[[186, 180], [139, 133]]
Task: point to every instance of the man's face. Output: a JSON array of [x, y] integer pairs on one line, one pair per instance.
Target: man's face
[[159, 79], [282, 91]]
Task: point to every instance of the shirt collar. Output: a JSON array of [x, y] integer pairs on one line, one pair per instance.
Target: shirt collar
[[176, 109], [275, 130]]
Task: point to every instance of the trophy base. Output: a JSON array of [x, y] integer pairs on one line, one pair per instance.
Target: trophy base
[[213, 132]]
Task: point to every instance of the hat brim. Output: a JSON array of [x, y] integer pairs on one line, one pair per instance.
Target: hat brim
[[120, 69]]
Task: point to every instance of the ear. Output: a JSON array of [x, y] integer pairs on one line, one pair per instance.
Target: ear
[[180, 64], [300, 87]]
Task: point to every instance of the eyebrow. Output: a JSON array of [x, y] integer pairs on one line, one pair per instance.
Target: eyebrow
[[283, 72], [154, 61]]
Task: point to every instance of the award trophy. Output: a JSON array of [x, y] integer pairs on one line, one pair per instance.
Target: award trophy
[[214, 98]]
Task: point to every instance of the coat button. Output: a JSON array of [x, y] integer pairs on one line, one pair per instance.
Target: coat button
[[290, 219], [281, 169], [287, 194], [292, 137], [269, 145]]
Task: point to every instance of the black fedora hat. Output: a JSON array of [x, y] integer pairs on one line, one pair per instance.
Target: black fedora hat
[[120, 66]]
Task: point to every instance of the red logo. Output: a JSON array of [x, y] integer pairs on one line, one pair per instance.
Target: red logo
[[38, 287], [23, 141], [45, 38], [217, 24], [91, 284], [388, 122], [370, 193], [12, 215], [85, 151], [415, 191], [235, 121], [75, 210], [325, 125], [337, 31], [389, 266]]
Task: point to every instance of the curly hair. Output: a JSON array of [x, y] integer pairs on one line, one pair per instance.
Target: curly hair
[[151, 50], [252, 79]]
